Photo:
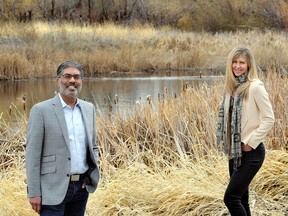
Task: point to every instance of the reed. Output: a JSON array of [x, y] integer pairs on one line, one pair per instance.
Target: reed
[[159, 157], [35, 49]]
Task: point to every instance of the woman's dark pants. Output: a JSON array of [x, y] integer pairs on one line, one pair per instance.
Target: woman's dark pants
[[236, 197]]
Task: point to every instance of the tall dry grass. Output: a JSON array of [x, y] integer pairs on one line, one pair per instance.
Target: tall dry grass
[[35, 49], [185, 124], [159, 158]]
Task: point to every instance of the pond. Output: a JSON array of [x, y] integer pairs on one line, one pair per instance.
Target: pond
[[102, 92]]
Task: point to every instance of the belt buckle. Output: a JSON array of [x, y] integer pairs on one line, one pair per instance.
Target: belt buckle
[[75, 177]]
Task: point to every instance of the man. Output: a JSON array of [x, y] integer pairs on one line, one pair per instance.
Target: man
[[61, 151]]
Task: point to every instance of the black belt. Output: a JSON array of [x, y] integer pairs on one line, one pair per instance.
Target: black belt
[[76, 177]]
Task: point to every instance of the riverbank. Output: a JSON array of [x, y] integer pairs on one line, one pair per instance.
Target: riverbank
[[161, 158], [35, 49]]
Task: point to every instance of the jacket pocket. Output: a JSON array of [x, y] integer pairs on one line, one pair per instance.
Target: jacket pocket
[[50, 158], [47, 170], [48, 164]]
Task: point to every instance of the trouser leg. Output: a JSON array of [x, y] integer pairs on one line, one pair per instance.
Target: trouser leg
[[236, 197], [74, 203]]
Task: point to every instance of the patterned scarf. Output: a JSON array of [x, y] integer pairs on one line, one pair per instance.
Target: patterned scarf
[[229, 129]]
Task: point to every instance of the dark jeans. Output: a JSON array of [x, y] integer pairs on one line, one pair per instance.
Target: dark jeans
[[236, 197], [74, 203]]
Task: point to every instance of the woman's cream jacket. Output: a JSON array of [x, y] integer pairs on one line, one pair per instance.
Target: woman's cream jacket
[[257, 115]]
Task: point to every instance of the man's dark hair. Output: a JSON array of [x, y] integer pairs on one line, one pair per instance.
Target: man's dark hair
[[68, 64]]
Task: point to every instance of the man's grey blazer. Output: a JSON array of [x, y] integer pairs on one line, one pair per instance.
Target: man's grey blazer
[[47, 150]]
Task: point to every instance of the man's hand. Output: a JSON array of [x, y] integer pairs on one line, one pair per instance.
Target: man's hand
[[84, 185], [36, 203]]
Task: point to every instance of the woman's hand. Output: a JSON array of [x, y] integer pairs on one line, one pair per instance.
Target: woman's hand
[[246, 148]]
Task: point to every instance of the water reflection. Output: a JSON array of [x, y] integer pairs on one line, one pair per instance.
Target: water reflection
[[100, 91]]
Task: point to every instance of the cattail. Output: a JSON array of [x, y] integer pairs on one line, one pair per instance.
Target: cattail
[[24, 102], [174, 95], [116, 99], [165, 93], [137, 103], [149, 99], [10, 109], [185, 86]]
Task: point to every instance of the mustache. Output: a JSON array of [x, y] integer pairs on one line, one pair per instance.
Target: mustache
[[78, 88], [67, 86]]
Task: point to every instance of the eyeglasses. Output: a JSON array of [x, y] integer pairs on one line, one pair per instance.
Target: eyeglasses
[[77, 77]]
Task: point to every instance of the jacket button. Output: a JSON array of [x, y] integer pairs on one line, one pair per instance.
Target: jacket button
[[69, 158], [67, 175]]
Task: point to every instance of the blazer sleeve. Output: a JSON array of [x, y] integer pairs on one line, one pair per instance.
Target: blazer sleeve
[[34, 144], [261, 98]]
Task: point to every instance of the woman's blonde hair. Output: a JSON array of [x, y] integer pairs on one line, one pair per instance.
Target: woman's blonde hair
[[230, 81]]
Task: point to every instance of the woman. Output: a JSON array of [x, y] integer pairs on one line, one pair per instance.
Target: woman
[[245, 118]]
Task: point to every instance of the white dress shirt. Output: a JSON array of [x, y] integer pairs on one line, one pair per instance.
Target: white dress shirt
[[77, 137]]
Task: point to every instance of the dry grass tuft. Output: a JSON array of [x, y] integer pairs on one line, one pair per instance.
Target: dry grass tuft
[[187, 188], [13, 196], [138, 189], [272, 182]]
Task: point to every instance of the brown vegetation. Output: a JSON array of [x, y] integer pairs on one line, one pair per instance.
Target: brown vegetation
[[161, 158], [35, 49], [210, 15]]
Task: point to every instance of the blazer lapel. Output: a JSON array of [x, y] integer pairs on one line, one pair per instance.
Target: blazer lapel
[[87, 120], [58, 109]]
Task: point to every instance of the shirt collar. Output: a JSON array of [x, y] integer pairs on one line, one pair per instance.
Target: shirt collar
[[63, 102]]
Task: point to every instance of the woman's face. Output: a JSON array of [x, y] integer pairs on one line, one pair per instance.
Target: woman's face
[[239, 66]]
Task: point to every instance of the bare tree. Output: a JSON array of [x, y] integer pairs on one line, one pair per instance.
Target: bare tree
[[137, 10], [211, 15]]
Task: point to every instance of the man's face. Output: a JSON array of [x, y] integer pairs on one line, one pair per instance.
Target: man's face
[[70, 82]]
